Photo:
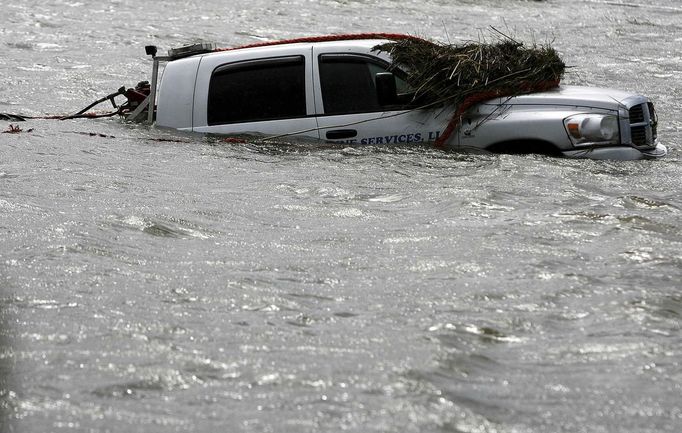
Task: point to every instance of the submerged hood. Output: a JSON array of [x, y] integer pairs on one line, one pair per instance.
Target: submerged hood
[[579, 96]]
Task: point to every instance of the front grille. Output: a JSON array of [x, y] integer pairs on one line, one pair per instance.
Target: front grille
[[643, 124], [637, 114], [638, 135]]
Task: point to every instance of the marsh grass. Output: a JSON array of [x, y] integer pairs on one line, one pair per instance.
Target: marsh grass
[[450, 73]]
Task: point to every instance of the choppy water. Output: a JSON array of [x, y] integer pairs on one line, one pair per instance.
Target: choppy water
[[186, 285]]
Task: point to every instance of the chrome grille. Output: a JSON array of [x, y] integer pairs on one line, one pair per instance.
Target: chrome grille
[[643, 124]]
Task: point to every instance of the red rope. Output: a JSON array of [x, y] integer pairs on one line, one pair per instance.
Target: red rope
[[327, 38]]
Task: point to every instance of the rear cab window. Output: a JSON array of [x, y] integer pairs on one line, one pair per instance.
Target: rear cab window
[[257, 90], [261, 91]]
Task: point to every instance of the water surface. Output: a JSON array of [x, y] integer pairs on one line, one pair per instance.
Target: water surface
[[156, 282]]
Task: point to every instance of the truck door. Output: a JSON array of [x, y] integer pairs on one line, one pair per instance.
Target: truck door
[[347, 104], [265, 92]]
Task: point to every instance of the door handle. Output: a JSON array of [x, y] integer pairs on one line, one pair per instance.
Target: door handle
[[338, 134]]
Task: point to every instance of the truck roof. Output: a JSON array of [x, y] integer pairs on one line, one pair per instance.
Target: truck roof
[[359, 39], [328, 38]]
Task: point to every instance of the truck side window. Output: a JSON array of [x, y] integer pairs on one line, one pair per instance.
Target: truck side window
[[257, 90], [348, 86]]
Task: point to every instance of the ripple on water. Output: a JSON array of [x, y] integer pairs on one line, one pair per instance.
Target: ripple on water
[[151, 383], [164, 228]]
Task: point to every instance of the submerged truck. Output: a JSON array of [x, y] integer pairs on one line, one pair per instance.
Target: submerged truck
[[346, 91]]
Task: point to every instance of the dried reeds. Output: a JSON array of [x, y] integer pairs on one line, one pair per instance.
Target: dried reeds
[[450, 73]]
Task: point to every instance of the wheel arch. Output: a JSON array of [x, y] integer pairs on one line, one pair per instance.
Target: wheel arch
[[525, 146]]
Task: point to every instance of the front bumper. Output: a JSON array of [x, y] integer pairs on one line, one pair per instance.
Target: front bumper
[[619, 153]]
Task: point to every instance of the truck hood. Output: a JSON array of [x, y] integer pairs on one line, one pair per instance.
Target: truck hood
[[579, 96]]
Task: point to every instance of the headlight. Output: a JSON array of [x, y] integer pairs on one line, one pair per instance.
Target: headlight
[[592, 129]]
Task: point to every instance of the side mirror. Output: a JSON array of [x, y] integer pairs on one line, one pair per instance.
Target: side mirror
[[386, 90]]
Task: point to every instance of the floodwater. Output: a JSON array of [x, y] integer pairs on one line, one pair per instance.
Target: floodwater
[[158, 282]]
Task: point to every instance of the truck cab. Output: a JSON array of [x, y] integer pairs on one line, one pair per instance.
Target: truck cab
[[347, 91]]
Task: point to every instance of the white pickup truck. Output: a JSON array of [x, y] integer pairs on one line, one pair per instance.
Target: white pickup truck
[[337, 91]]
